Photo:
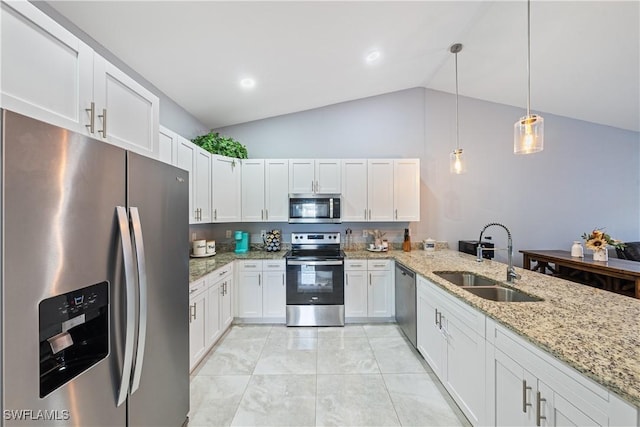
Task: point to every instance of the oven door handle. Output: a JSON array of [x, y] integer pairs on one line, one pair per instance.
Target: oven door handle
[[336, 262]]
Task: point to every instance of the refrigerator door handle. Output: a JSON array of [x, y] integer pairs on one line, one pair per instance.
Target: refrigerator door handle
[[142, 297], [129, 279]]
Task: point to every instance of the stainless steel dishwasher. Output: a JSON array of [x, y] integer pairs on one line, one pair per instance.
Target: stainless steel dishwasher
[[406, 302]]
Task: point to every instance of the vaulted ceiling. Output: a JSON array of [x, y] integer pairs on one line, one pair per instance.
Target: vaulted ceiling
[[302, 55]]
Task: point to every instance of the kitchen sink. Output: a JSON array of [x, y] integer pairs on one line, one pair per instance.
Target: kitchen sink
[[501, 294], [484, 287], [465, 278]]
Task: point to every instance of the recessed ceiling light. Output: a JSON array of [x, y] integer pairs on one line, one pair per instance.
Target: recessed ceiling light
[[247, 83], [372, 56]]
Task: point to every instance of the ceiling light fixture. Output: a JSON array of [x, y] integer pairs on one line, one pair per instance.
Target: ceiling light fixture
[[247, 83], [457, 164], [528, 132], [372, 57]]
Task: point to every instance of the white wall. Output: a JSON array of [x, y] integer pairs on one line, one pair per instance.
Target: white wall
[[587, 176]]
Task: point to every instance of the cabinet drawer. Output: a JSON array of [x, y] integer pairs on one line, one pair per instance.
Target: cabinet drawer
[[355, 264], [273, 265], [379, 264], [221, 273], [250, 266], [197, 287]]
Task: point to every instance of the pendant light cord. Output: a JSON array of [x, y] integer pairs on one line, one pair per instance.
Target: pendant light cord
[[528, 58], [457, 112]]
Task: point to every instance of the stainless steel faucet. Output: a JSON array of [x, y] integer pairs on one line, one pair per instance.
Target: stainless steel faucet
[[511, 271]]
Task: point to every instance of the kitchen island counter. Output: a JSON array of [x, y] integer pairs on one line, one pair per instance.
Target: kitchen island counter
[[594, 331]]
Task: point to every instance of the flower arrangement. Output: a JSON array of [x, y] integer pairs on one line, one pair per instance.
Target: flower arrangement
[[598, 240]]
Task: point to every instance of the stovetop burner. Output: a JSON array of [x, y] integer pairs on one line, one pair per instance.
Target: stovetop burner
[[315, 246]]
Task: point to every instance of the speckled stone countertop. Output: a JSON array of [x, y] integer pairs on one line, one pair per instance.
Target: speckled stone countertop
[[594, 331]]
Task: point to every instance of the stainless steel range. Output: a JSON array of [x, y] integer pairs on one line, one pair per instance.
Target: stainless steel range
[[315, 280]]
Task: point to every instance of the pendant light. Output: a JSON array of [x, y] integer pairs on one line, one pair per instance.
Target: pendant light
[[528, 132], [457, 165]]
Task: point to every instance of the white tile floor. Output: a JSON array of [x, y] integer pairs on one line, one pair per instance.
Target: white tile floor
[[359, 375]]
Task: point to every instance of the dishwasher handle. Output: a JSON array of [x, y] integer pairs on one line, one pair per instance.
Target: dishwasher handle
[[405, 271]]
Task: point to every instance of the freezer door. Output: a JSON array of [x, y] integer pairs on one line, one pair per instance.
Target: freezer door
[[160, 194], [60, 235]]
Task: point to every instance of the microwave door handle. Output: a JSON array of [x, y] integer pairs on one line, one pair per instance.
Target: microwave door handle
[[143, 296], [129, 282]]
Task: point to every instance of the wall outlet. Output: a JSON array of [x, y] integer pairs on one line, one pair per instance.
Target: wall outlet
[[365, 233], [193, 236], [263, 233], [228, 234]]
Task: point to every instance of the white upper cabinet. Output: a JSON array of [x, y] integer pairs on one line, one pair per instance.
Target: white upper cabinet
[[185, 155], [167, 146], [46, 71], [354, 190], [202, 183], [380, 190], [253, 190], [302, 176], [227, 187], [406, 193], [126, 113], [276, 184], [49, 74], [314, 176], [328, 176], [265, 186]]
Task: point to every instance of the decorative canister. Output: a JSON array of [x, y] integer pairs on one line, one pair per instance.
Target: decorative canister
[[576, 249], [601, 255], [429, 245]]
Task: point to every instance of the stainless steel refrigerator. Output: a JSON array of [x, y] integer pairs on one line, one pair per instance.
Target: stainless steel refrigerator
[[94, 282]]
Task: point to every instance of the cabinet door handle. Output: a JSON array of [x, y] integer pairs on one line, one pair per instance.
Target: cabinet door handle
[[365, 214], [266, 214], [396, 213], [222, 289], [346, 276], [259, 280], [539, 416], [215, 214], [92, 117], [313, 186], [524, 396], [262, 214], [103, 116], [369, 214], [438, 319], [191, 317], [282, 279], [379, 265], [369, 279]]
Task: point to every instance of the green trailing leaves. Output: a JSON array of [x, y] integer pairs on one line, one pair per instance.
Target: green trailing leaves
[[223, 145]]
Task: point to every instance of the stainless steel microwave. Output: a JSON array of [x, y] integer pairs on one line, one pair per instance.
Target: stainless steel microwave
[[314, 209]]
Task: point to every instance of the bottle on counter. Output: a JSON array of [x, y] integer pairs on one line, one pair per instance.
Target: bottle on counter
[[576, 249], [406, 245]]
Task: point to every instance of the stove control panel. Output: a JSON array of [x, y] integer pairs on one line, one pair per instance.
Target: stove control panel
[[315, 238]]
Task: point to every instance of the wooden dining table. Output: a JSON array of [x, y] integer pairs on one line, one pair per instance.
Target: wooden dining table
[[606, 274]]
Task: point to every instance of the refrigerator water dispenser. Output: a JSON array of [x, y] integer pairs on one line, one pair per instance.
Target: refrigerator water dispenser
[[74, 334]]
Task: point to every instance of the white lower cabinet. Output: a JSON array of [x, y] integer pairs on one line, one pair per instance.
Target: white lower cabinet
[[197, 308], [210, 311], [527, 387], [261, 289], [369, 288], [498, 378], [451, 339]]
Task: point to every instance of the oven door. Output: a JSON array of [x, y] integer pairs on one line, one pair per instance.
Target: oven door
[[315, 282]]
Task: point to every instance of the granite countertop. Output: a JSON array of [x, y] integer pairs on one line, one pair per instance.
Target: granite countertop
[[594, 331]]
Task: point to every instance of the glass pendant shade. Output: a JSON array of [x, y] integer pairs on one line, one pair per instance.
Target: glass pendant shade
[[528, 135], [457, 165]]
